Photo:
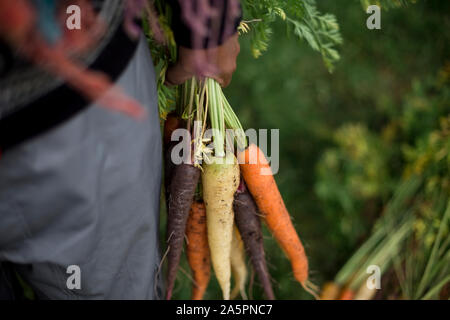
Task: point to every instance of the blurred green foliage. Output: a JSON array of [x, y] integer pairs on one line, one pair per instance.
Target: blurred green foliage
[[344, 137], [302, 19]]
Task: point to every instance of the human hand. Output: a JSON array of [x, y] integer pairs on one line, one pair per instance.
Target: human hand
[[218, 63]]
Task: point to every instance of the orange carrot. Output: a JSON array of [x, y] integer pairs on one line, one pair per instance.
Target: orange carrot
[[346, 294], [330, 291], [173, 122], [198, 249], [262, 185]]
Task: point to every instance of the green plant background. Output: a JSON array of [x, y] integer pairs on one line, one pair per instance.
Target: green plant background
[[343, 136]]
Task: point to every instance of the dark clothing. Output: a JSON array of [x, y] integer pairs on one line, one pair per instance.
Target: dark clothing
[[220, 27]]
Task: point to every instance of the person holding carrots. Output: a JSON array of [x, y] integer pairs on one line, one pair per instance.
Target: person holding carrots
[[80, 161]]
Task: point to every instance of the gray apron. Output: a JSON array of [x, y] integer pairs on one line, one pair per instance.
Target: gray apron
[[86, 194]]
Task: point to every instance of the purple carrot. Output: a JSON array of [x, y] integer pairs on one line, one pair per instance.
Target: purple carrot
[[172, 122], [181, 195], [249, 225]]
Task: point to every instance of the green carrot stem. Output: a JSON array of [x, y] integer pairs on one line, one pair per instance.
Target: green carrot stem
[[360, 255], [384, 253], [233, 122], [435, 289], [383, 227], [432, 258], [216, 117], [191, 102]]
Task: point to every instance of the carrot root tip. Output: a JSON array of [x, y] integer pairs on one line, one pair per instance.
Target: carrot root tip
[[311, 288]]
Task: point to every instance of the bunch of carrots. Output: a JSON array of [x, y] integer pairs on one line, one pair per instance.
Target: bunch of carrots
[[215, 199]]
